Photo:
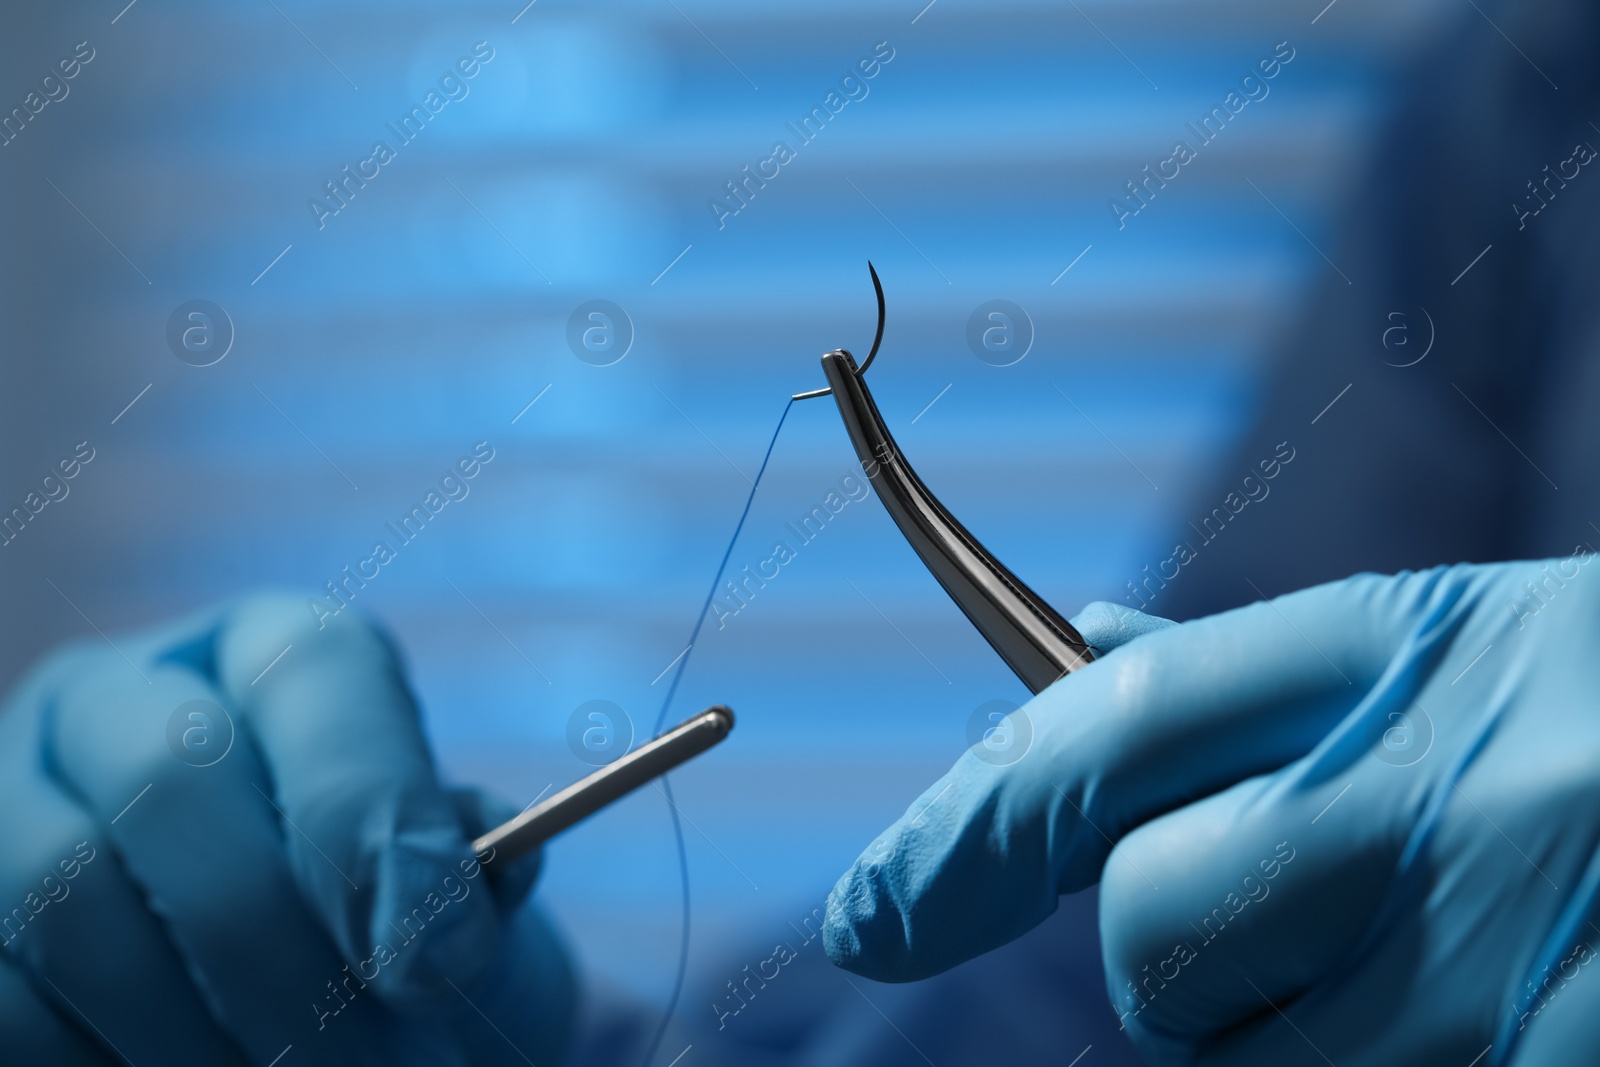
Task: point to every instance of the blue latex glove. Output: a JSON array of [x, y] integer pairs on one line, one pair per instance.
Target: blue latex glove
[[1357, 824], [173, 890]]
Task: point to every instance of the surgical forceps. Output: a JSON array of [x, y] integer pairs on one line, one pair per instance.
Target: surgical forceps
[[1035, 641]]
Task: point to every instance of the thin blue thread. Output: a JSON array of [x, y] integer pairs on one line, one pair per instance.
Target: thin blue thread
[[661, 718]]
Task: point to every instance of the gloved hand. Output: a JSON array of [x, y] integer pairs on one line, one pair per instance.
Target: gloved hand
[[209, 854], [1354, 825]]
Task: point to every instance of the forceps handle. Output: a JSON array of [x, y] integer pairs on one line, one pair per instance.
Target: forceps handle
[[1035, 641], [542, 821]]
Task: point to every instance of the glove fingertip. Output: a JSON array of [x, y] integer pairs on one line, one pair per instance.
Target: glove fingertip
[[863, 931], [483, 892], [1107, 625], [481, 811], [433, 920], [839, 938]]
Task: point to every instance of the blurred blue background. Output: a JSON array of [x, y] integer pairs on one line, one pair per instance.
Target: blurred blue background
[[373, 352]]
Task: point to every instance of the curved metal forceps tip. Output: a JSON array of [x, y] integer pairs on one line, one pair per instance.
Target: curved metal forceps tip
[[1037, 643], [877, 338]]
